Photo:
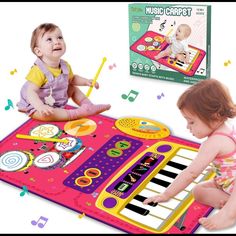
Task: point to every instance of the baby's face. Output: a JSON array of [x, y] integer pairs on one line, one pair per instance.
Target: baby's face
[[180, 33], [196, 126], [51, 45]]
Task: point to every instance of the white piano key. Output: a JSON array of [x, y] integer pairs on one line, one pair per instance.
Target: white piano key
[[199, 178], [158, 211], [172, 203], [190, 187], [155, 187], [147, 220], [163, 177], [187, 153], [181, 160], [181, 195], [148, 193], [172, 169]]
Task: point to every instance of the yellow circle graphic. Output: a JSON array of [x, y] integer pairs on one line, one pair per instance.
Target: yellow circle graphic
[[80, 127]]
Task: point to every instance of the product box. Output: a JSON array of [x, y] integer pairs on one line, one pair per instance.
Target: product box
[[170, 41]]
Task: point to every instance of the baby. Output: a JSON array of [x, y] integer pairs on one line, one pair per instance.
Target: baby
[[178, 47], [208, 107], [51, 82]]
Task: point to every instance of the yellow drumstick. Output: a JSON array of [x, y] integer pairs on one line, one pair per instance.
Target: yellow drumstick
[[169, 32], [23, 136], [96, 76]]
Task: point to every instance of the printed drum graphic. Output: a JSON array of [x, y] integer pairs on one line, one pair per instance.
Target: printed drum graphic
[[46, 131], [80, 127], [49, 160], [73, 145], [15, 160]]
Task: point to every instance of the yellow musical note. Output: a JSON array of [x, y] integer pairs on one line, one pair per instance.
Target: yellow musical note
[[226, 63], [13, 72], [81, 215]]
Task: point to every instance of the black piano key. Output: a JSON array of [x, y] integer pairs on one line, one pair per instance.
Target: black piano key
[[176, 165], [160, 182], [168, 173], [179, 64], [137, 209], [142, 198]]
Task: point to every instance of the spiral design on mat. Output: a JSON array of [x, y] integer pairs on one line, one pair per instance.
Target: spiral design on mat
[[13, 160]]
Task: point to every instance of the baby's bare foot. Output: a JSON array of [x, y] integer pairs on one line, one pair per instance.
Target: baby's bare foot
[[220, 220], [95, 109]]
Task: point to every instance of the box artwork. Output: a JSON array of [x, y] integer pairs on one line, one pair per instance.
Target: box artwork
[[170, 41]]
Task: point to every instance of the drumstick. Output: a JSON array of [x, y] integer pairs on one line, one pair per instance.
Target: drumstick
[[96, 77], [169, 32], [23, 136]]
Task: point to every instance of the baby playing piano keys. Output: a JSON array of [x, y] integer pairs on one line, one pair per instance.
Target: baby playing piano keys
[[208, 107]]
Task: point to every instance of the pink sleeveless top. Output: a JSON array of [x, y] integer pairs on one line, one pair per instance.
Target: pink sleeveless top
[[59, 87], [225, 166]]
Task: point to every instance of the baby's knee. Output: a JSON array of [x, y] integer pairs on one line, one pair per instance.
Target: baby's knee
[[198, 192], [72, 90]]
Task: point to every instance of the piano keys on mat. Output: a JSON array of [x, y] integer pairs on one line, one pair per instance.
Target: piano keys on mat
[[155, 215], [182, 65]]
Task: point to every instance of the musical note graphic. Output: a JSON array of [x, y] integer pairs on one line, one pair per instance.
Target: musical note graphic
[[13, 72], [159, 65], [226, 63], [9, 105], [162, 25], [40, 225], [112, 66], [25, 190], [32, 179], [81, 215], [173, 24], [131, 96], [159, 96], [201, 70]]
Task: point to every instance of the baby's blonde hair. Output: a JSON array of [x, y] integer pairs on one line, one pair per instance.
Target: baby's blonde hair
[[41, 29], [208, 99], [187, 29]]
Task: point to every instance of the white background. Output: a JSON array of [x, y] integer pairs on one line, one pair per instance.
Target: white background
[[93, 31]]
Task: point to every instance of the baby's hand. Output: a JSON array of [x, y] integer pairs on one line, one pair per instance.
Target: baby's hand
[[158, 198], [45, 110], [167, 39], [90, 83]]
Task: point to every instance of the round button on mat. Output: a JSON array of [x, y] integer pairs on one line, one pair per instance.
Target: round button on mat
[[109, 202], [164, 148]]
